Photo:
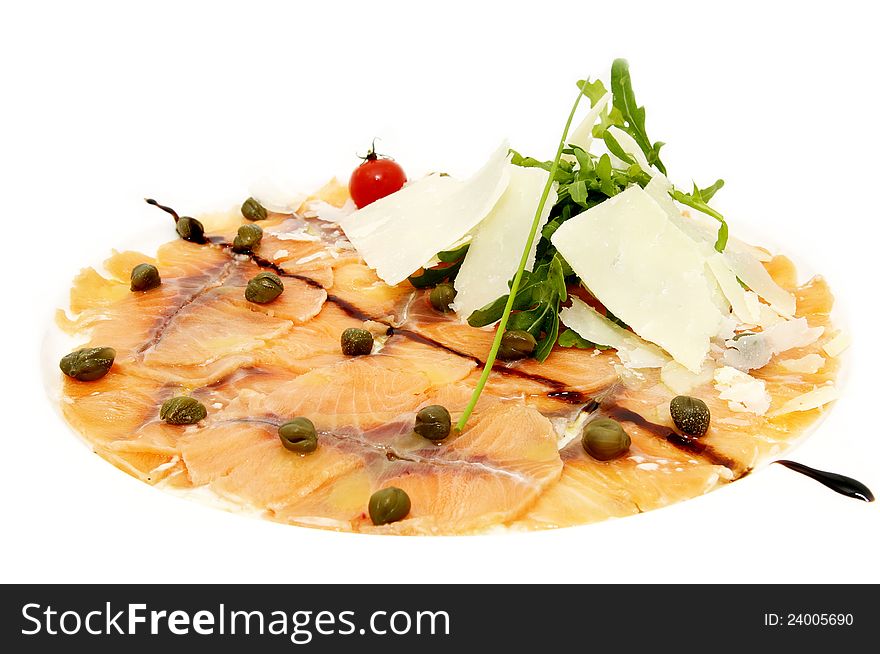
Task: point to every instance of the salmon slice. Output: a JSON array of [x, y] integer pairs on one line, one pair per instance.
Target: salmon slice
[[653, 474], [488, 476], [358, 286], [363, 393], [244, 461], [111, 408]]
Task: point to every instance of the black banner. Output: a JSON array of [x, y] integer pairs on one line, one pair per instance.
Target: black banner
[[326, 618]]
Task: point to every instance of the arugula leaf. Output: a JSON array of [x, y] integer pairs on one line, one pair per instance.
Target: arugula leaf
[[432, 276], [563, 171], [616, 149], [451, 256], [594, 90], [709, 192], [624, 100], [570, 338], [696, 200]]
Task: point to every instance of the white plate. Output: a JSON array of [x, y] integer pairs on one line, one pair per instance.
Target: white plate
[[91, 134]]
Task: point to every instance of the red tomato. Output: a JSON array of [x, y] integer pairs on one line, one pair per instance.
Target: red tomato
[[374, 179]]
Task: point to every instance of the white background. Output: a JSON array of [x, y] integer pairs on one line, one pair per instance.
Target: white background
[[104, 104]]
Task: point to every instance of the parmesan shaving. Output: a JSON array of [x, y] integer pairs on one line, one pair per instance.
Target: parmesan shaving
[[682, 381], [496, 248], [811, 400], [744, 393], [596, 328], [755, 350], [582, 135], [809, 364], [837, 345], [646, 271]]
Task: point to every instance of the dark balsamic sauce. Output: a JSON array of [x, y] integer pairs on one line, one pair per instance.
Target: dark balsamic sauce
[[572, 397], [838, 483]]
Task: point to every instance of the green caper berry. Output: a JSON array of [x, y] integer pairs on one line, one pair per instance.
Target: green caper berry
[[690, 415], [253, 210], [605, 439], [144, 276], [88, 364], [441, 296], [356, 342], [433, 422], [190, 229], [389, 505], [263, 288], [182, 410], [248, 237], [516, 344], [299, 435]]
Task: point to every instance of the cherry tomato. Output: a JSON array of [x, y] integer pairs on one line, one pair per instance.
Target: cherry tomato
[[375, 178]]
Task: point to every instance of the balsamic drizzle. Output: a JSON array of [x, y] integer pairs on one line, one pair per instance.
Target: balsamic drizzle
[[838, 483]]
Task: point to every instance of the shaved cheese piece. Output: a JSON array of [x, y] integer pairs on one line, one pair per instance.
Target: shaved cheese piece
[[745, 304], [744, 393], [628, 144], [497, 245], [398, 234], [682, 381], [582, 135], [811, 400], [809, 364], [839, 342], [596, 328], [755, 350], [646, 271], [326, 211], [755, 276], [769, 317]]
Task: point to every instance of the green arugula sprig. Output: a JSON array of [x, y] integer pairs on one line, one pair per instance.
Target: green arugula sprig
[[698, 199], [570, 338], [624, 100], [430, 277]]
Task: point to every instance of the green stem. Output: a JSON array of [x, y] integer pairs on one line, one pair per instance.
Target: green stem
[[514, 287]]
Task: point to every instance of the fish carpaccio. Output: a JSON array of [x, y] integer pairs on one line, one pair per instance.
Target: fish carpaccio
[[256, 366]]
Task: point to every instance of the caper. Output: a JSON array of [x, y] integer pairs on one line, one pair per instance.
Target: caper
[[690, 415], [144, 276], [253, 210], [605, 439], [88, 364], [248, 237], [299, 435], [433, 422], [190, 229], [441, 296], [182, 410], [356, 342], [516, 344], [389, 505], [263, 288]]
